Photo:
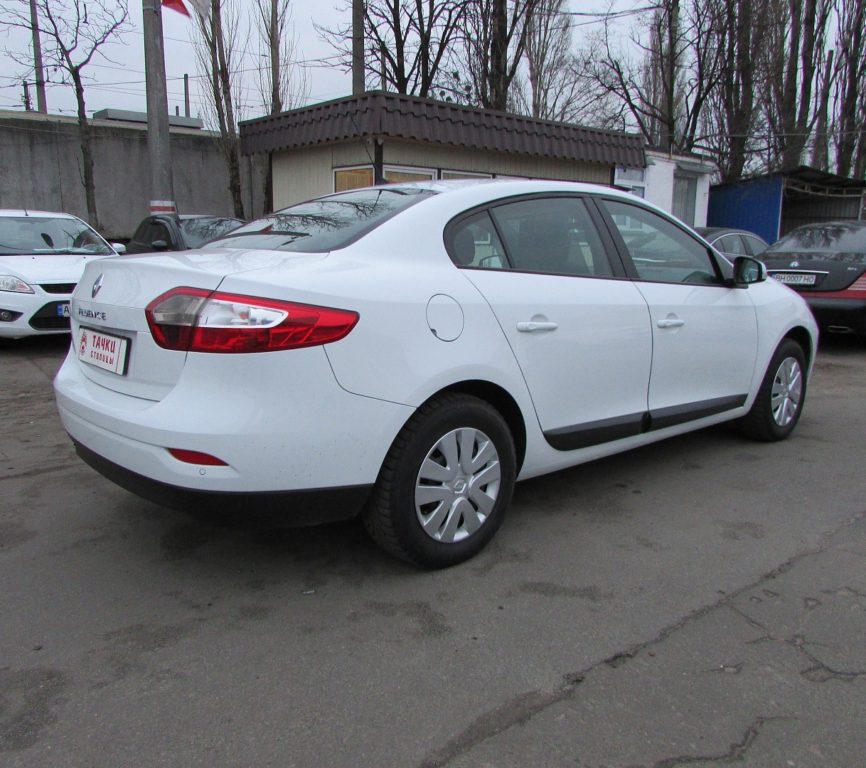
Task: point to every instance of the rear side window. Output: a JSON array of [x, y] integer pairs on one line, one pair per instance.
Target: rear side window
[[325, 224], [474, 243], [552, 235]]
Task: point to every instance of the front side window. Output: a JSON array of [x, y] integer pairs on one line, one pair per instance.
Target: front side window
[[660, 251], [553, 235], [325, 224], [199, 231]]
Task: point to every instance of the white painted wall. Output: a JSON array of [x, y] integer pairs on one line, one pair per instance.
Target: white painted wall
[[657, 186]]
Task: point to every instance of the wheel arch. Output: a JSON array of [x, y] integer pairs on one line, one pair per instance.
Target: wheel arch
[[503, 402], [800, 335]]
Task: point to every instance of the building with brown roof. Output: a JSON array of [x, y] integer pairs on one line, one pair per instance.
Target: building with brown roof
[[381, 137]]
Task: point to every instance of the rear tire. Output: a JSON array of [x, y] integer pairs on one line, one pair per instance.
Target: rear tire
[[445, 484], [780, 399]]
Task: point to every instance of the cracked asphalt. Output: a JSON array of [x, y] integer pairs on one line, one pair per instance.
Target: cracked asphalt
[[700, 602]]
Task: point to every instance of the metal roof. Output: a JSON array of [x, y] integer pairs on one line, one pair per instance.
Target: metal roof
[[806, 175], [383, 115]]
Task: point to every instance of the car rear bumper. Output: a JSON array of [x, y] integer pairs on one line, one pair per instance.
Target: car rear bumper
[[288, 428], [840, 315], [311, 506]]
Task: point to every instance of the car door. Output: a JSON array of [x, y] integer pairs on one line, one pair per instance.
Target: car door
[[705, 333], [578, 327]]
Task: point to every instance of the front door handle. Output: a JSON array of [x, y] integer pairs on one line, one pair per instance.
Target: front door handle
[[530, 326], [670, 322]]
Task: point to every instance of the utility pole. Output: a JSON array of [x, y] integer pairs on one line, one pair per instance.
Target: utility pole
[[158, 147], [357, 47], [41, 105]]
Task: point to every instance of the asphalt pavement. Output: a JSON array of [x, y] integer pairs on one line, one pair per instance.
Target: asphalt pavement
[[699, 602]]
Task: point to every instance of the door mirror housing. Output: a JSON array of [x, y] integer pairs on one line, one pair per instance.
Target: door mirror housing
[[748, 270], [159, 245], [119, 248]]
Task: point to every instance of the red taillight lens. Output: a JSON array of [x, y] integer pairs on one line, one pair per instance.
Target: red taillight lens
[[195, 320], [859, 284], [196, 457]]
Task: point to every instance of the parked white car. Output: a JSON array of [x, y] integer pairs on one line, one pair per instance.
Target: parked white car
[[408, 352], [42, 256]]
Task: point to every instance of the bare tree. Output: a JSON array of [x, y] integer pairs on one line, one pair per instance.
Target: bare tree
[[553, 90], [74, 32], [222, 44], [794, 50], [729, 120], [493, 44], [282, 85], [665, 92], [408, 42], [851, 89]]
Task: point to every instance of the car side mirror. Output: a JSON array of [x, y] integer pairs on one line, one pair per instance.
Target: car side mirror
[[118, 248], [748, 270], [159, 245]]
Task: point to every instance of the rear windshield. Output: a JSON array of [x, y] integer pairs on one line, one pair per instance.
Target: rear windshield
[[44, 235], [835, 237], [325, 224], [199, 231]]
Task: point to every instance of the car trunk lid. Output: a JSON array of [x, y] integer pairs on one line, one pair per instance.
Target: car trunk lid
[[110, 333], [815, 270]]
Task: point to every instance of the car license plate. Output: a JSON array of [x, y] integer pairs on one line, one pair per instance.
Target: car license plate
[[63, 309], [794, 278], [102, 350]]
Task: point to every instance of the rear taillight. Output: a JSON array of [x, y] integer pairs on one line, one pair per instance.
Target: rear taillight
[[859, 284], [196, 320]]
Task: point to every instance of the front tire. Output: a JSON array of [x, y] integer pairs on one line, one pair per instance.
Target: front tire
[[780, 399], [445, 484]]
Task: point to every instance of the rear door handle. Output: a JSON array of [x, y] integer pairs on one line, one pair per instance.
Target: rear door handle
[[670, 322], [530, 326]]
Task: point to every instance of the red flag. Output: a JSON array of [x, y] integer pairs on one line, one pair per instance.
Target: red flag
[[176, 5]]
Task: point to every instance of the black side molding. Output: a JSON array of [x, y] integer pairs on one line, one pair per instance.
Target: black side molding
[[608, 430]]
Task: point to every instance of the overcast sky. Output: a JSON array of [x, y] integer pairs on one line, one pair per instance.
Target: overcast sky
[[119, 82]]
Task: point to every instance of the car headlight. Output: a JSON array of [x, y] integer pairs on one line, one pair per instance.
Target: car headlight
[[10, 283]]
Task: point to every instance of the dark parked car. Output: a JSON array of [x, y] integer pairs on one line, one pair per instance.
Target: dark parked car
[[826, 263], [733, 242], [164, 232]]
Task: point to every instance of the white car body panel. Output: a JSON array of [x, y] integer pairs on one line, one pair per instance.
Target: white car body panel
[[693, 362], [598, 320], [325, 417]]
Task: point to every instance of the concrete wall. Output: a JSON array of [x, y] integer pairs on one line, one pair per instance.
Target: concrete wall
[[40, 167], [304, 173]]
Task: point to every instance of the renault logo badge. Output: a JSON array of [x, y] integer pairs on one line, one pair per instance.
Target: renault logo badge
[[97, 284]]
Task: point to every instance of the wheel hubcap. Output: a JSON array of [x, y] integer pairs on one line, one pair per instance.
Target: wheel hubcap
[[787, 392], [457, 485]]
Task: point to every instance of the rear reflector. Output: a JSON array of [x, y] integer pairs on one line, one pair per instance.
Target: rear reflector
[[196, 320], [196, 457]]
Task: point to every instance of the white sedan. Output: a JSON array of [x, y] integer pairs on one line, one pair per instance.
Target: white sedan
[[42, 256], [407, 353]]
